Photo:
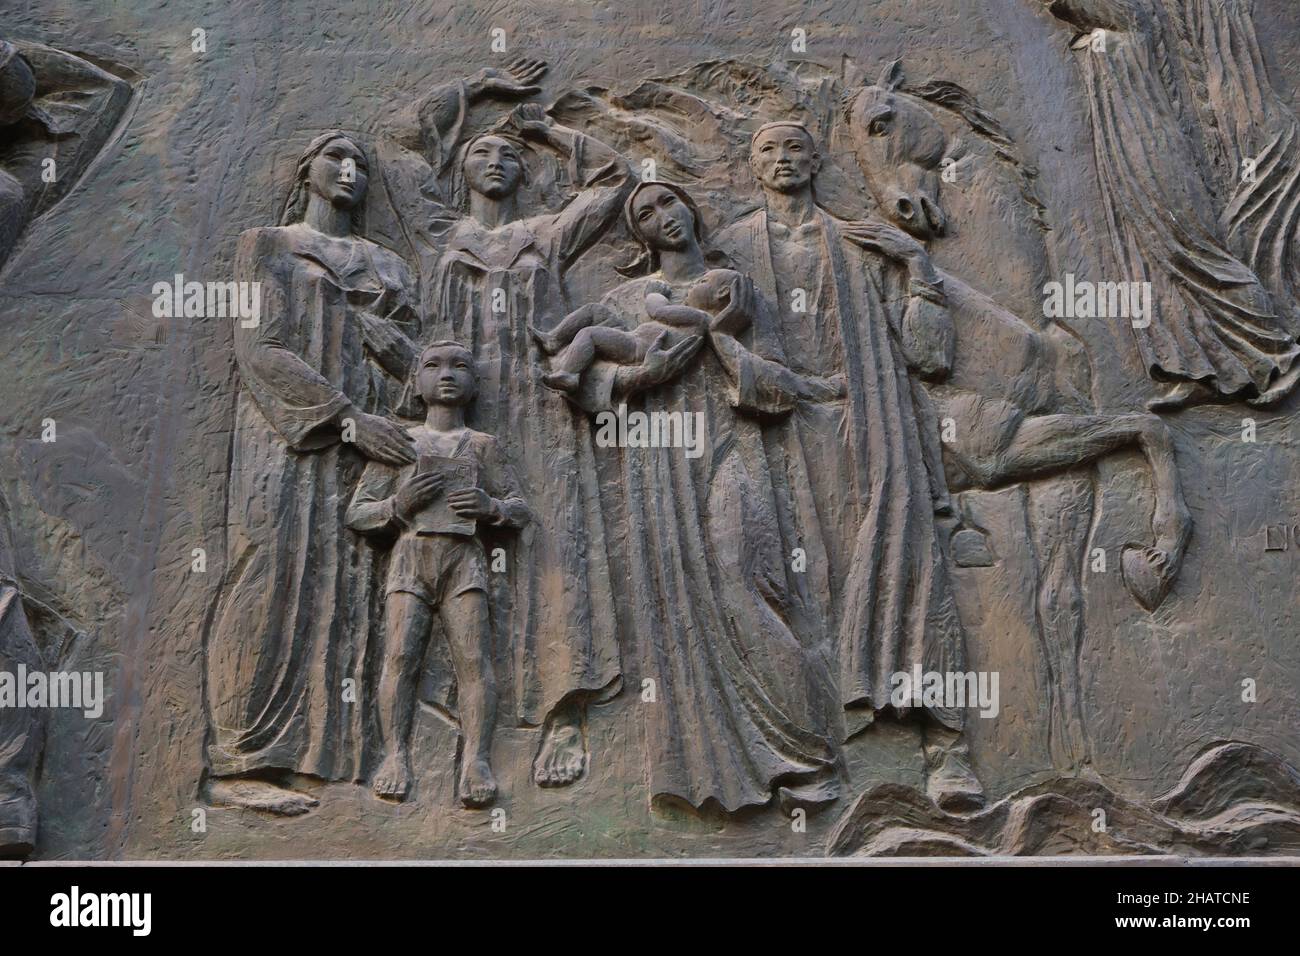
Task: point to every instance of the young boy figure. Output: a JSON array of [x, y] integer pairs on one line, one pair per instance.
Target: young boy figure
[[435, 507]]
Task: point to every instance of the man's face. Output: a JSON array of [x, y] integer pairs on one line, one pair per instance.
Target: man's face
[[783, 159], [446, 376], [664, 221], [493, 167]]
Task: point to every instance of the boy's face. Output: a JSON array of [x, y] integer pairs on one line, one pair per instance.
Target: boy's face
[[446, 376]]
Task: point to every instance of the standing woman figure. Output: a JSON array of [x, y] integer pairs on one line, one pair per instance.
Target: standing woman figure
[[290, 627]]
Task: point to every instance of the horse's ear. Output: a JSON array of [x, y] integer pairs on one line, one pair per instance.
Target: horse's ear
[[891, 78]]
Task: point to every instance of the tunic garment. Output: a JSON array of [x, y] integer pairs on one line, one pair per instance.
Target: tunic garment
[[742, 706], [295, 611], [1213, 320], [864, 477]]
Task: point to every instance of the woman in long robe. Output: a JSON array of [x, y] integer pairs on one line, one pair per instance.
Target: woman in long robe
[[290, 627], [488, 273], [742, 707], [1215, 328]]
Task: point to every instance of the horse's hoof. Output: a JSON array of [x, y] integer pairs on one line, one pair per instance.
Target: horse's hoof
[[1147, 575]]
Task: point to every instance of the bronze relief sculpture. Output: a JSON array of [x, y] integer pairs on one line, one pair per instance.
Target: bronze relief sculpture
[[743, 448]]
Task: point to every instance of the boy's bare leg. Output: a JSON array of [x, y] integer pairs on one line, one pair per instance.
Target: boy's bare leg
[[407, 621], [465, 621], [601, 341], [552, 340]]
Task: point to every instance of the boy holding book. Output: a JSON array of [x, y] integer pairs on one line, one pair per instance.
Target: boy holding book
[[435, 508]]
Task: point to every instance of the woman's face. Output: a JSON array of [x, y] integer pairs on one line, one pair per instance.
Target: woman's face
[[664, 221], [339, 174], [493, 167]]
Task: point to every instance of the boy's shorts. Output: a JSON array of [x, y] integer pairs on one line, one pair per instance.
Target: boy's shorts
[[435, 567]]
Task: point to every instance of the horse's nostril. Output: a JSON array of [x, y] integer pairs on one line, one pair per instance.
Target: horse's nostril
[[905, 208]]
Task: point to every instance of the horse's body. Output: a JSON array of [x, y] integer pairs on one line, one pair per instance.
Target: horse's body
[[1017, 402]]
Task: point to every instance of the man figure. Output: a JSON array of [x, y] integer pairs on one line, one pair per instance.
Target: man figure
[[861, 300]]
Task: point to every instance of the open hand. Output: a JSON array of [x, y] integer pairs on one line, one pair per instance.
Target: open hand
[[886, 239], [518, 79], [736, 315], [381, 440]]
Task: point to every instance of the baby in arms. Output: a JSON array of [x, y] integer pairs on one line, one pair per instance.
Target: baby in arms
[[595, 332]]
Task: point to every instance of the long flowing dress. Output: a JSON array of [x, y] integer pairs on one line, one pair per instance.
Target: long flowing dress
[[484, 288], [864, 470], [742, 705], [293, 617], [1246, 119], [1214, 321]]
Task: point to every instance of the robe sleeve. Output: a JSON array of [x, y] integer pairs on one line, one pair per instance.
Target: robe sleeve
[[498, 479], [301, 405], [371, 509], [919, 318], [756, 385], [605, 180]]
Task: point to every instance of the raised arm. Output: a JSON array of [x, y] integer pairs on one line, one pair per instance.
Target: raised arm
[[924, 329], [602, 174], [432, 124]]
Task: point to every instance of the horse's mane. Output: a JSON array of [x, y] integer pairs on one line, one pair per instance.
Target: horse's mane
[[957, 99]]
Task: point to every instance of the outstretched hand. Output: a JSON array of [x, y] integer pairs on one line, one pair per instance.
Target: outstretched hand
[[381, 440], [739, 310], [663, 363], [886, 239], [518, 79]]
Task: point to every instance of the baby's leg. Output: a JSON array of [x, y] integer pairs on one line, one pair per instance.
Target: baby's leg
[[465, 621], [597, 341], [555, 339], [407, 621]]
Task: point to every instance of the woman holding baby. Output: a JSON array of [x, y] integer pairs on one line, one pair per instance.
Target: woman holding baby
[[741, 707]]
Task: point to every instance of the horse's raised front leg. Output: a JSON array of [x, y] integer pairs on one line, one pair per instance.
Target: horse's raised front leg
[[1045, 444]]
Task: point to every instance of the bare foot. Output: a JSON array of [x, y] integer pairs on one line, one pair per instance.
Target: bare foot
[[393, 778], [260, 795], [548, 342], [478, 787], [561, 381], [562, 758]]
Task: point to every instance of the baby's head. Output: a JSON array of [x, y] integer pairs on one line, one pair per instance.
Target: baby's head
[[712, 291]]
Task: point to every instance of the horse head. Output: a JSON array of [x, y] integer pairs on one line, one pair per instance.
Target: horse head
[[900, 146]]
